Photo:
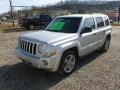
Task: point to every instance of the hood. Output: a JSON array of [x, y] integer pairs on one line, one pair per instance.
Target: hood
[[50, 37]]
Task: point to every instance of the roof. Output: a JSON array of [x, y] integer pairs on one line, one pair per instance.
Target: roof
[[84, 15]]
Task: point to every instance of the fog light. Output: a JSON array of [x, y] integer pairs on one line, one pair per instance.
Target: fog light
[[45, 62]]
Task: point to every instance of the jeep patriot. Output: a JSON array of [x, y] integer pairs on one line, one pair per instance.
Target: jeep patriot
[[65, 39]]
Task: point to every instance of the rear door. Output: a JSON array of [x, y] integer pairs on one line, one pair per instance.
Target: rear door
[[99, 32]]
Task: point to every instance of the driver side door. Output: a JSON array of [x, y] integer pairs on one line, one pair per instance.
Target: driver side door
[[87, 40]]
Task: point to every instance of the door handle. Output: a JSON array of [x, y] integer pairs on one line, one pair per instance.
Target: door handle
[[94, 33]]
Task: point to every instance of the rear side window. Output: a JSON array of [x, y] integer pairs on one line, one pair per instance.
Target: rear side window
[[107, 21], [89, 22], [100, 22]]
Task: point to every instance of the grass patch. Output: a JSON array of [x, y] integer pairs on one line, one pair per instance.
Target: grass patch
[[116, 24], [4, 27]]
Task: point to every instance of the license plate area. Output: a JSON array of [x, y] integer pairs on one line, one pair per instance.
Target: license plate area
[[28, 63]]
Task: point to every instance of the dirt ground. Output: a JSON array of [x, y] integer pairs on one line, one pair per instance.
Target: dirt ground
[[97, 71]]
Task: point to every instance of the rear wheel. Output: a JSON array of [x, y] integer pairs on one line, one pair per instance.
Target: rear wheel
[[106, 45], [31, 27], [68, 63]]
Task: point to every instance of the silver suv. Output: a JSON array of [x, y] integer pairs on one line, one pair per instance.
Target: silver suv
[[58, 47]]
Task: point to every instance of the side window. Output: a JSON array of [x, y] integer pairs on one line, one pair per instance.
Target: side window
[[89, 22], [100, 22], [48, 17], [107, 21]]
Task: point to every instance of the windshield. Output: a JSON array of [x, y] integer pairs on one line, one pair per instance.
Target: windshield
[[40, 16], [65, 25], [34, 17]]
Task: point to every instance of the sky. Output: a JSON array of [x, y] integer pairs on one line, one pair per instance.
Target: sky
[[4, 4]]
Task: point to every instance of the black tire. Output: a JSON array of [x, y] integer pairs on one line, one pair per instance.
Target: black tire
[[106, 45], [31, 27], [61, 69]]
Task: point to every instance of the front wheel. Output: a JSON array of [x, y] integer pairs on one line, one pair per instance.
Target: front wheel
[[68, 63], [106, 45]]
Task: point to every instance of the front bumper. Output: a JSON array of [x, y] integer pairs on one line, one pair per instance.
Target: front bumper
[[38, 62]]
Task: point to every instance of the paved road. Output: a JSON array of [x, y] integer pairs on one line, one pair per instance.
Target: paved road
[[97, 71]]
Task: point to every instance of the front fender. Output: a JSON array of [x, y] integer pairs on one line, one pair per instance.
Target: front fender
[[63, 47]]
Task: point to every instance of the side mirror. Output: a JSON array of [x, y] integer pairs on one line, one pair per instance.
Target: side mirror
[[86, 30]]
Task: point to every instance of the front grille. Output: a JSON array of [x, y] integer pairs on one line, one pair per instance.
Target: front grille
[[27, 46]]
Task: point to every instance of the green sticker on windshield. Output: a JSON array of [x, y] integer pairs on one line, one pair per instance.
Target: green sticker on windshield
[[57, 26]]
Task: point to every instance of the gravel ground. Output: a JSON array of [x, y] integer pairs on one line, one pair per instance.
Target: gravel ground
[[97, 71]]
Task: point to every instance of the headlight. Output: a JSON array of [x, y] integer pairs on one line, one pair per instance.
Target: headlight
[[46, 50], [42, 48]]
